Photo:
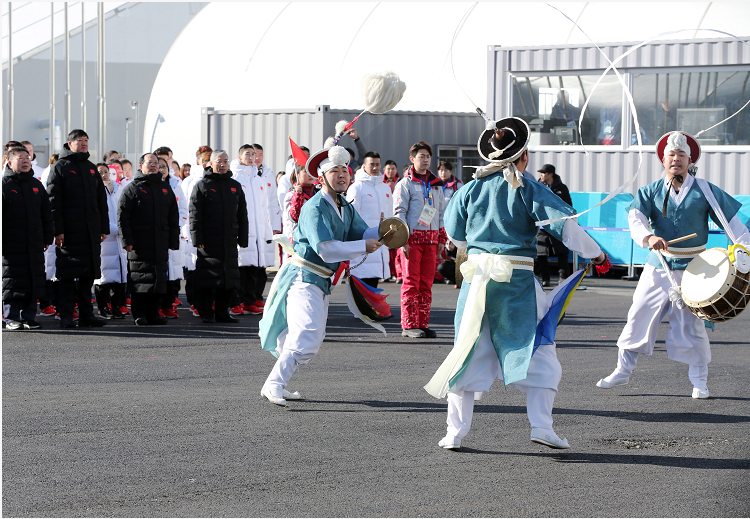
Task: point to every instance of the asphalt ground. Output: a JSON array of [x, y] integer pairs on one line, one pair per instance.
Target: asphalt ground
[[168, 421]]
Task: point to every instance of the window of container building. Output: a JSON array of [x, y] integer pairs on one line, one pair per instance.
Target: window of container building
[[552, 106], [460, 156], [693, 101]]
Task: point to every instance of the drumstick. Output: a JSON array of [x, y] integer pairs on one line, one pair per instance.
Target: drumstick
[[389, 231], [678, 240]]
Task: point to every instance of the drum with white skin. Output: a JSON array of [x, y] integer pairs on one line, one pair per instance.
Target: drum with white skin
[[713, 288]]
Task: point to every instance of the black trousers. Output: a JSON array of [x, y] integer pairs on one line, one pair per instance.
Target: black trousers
[[75, 291], [21, 309], [261, 278], [543, 266], [189, 291], [102, 295], [145, 305], [208, 297], [50, 296], [173, 290]]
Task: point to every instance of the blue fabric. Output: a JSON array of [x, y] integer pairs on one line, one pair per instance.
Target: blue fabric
[[691, 216], [546, 329], [493, 218], [318, 223]]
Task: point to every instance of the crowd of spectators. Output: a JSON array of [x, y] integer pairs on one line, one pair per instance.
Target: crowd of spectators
[[137, 235]]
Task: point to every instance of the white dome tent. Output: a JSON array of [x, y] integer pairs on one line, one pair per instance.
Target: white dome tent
[[269, 55]]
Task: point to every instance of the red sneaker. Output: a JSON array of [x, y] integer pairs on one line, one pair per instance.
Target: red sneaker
[[48, 310], [237, 310], [252, 310], [161, 312], [259, 304], [195, 312], [177, 302], [169, 313], [127, 302], [124, 310]]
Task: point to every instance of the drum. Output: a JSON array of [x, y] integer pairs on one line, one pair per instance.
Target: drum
[[713, 288], [393, 232]]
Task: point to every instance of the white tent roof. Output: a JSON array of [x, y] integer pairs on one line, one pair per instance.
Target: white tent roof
[[270, 55]]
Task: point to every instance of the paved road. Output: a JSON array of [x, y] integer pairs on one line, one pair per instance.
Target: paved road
[[168, 421]]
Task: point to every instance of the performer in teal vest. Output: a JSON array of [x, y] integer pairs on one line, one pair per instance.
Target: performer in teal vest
[[330, 231], [501, 301], [670, 208]]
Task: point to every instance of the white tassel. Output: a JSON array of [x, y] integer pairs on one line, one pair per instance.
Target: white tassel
[[328, 143], [382, 91], [338, 155], [340, 126]]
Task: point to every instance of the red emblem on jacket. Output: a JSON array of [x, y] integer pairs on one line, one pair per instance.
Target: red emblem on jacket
[[213, 190], [164, 191], [144, 191], [234, 189], [93, 171], [36, 190]]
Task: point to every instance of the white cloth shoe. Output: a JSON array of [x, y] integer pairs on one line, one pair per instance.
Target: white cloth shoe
[[273, 398], [548, 438], [291, 396], [451, 443], [699, 393], [615, 379]]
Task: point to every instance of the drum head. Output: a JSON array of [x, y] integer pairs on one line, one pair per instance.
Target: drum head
[[393, 232], [706, 277]]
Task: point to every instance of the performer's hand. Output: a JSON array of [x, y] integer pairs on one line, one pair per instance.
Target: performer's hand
[[372, 245], [440, 249], [405, 250], [656, 243], [601, 258], [353, 134], [129, 248], [298, 188], [59, 239]]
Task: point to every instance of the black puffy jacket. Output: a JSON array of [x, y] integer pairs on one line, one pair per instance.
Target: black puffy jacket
[[148, 219], [27, 228], [79, 211], [546, 244], [218, 221]]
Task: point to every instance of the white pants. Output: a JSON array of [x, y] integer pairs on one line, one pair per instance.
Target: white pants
[[306, 314], [687, 341], [627, 359], [540, 384]]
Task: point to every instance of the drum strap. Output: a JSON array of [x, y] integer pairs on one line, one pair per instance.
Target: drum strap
[[717, 208], [686, 252]]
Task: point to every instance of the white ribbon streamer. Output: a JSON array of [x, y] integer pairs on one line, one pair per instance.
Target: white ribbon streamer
[[477, 270], [675, 293]]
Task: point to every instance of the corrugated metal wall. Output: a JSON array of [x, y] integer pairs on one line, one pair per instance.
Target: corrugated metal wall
[[604, 170], [391, 134]]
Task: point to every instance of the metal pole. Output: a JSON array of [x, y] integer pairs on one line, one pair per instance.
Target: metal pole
[[52, 80], [67, 128], [134, 106], [104, 79], [11, 111], [127, 137], [100, 93], [83, 65]]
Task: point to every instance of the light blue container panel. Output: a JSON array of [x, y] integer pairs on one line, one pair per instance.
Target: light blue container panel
[[607, 224]]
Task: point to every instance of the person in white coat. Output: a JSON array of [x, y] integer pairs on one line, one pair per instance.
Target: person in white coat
[[38, 170], [372, 199], [48, 306], [190, 253], [254, 258], [109, 289], [175, 256]]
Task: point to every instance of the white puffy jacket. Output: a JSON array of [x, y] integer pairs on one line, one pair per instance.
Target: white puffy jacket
[[370, 196], [189, 253], [259, 252], [176, 257], [114, 258]]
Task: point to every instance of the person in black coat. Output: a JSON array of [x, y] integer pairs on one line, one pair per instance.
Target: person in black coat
[[148, 219], [27, 232], [81, 222], [218, 223], [546, 244]]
